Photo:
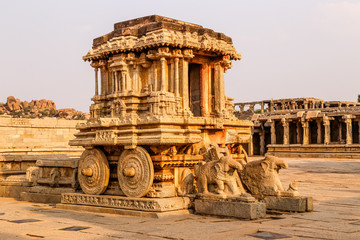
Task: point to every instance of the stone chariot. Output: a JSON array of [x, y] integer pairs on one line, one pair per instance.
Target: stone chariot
[[160, 103]]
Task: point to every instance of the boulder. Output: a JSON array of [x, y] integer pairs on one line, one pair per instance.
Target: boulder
[[13, 104]]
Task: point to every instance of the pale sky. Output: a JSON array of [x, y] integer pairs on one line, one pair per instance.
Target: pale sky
[[304, 48]]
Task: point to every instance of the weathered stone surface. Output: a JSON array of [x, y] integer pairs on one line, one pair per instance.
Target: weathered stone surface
[[222, 173], [289, 204], [13, 190], [37, 136], [44, 194], [315, 151], [20, 173], [56, 172], [64, 162], [135, 213], [140, 204], [238, 209], [142, 33], [48, 190], [40, 197], [261, 177], [159, 86]]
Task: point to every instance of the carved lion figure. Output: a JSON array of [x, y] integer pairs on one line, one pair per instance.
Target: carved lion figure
[[218, 172], [261, 177]]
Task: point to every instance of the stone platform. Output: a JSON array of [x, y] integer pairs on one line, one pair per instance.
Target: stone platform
[[315, 151], [248, 210], [289, 204], [149, 207]]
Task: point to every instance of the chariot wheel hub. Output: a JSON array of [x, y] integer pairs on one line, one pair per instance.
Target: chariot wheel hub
[[93, 172], [135, 172]]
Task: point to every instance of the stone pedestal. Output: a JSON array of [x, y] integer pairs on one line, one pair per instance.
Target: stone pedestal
[[289, 204], [231, 208], [13, 173], [49, 178], [147, 207]]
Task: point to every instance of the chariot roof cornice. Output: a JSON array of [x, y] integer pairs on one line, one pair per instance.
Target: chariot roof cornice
[[156, 31]]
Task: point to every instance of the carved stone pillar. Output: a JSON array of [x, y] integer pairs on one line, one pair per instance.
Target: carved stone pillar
[[282, 106], [262, 107], [305, 126], [205, 89], [252, 107], [298, 132], [340, 131], [271, 107], [326, 123], [251, 145], [184, 85], [273, 132], [113, 82], [109, 86], [96, 82], [116, 81], [285, 124], [306, 104], [163, 74], [348, 122], [103, 74], [176, 77], [262, 140], [359, 130], [155, 75], [171, 69], [293, 105], [219, 89], [123, 82], [136, 80], [319, 137]]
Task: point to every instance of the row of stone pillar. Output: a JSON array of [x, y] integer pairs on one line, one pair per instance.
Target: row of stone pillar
[[281, 106], [176, 82], [306, 132]]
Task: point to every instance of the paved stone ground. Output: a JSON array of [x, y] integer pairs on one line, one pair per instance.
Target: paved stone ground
[[334, 184]]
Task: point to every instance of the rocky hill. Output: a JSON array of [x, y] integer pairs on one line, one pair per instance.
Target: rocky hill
[[38, 109]]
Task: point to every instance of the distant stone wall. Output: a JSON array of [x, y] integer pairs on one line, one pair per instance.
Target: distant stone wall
[[37, 136]]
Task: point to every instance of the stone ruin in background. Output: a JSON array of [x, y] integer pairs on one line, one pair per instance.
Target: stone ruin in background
[[305, 127]]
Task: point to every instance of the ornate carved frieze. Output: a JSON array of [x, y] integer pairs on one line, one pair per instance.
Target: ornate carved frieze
[[104, 136], [144, 204]]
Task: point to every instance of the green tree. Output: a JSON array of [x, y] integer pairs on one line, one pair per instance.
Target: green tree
[[359, 98]]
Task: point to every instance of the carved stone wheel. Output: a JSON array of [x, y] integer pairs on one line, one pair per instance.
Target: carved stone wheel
[[93, 172], [135, 172]]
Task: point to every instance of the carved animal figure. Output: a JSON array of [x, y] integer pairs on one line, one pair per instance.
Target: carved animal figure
[[218, 172], [32, 174], [186, 185], [261, 177], [55, 175]]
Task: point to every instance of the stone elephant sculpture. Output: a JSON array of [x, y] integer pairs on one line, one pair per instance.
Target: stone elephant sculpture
[[220, 173], [261, 177]]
